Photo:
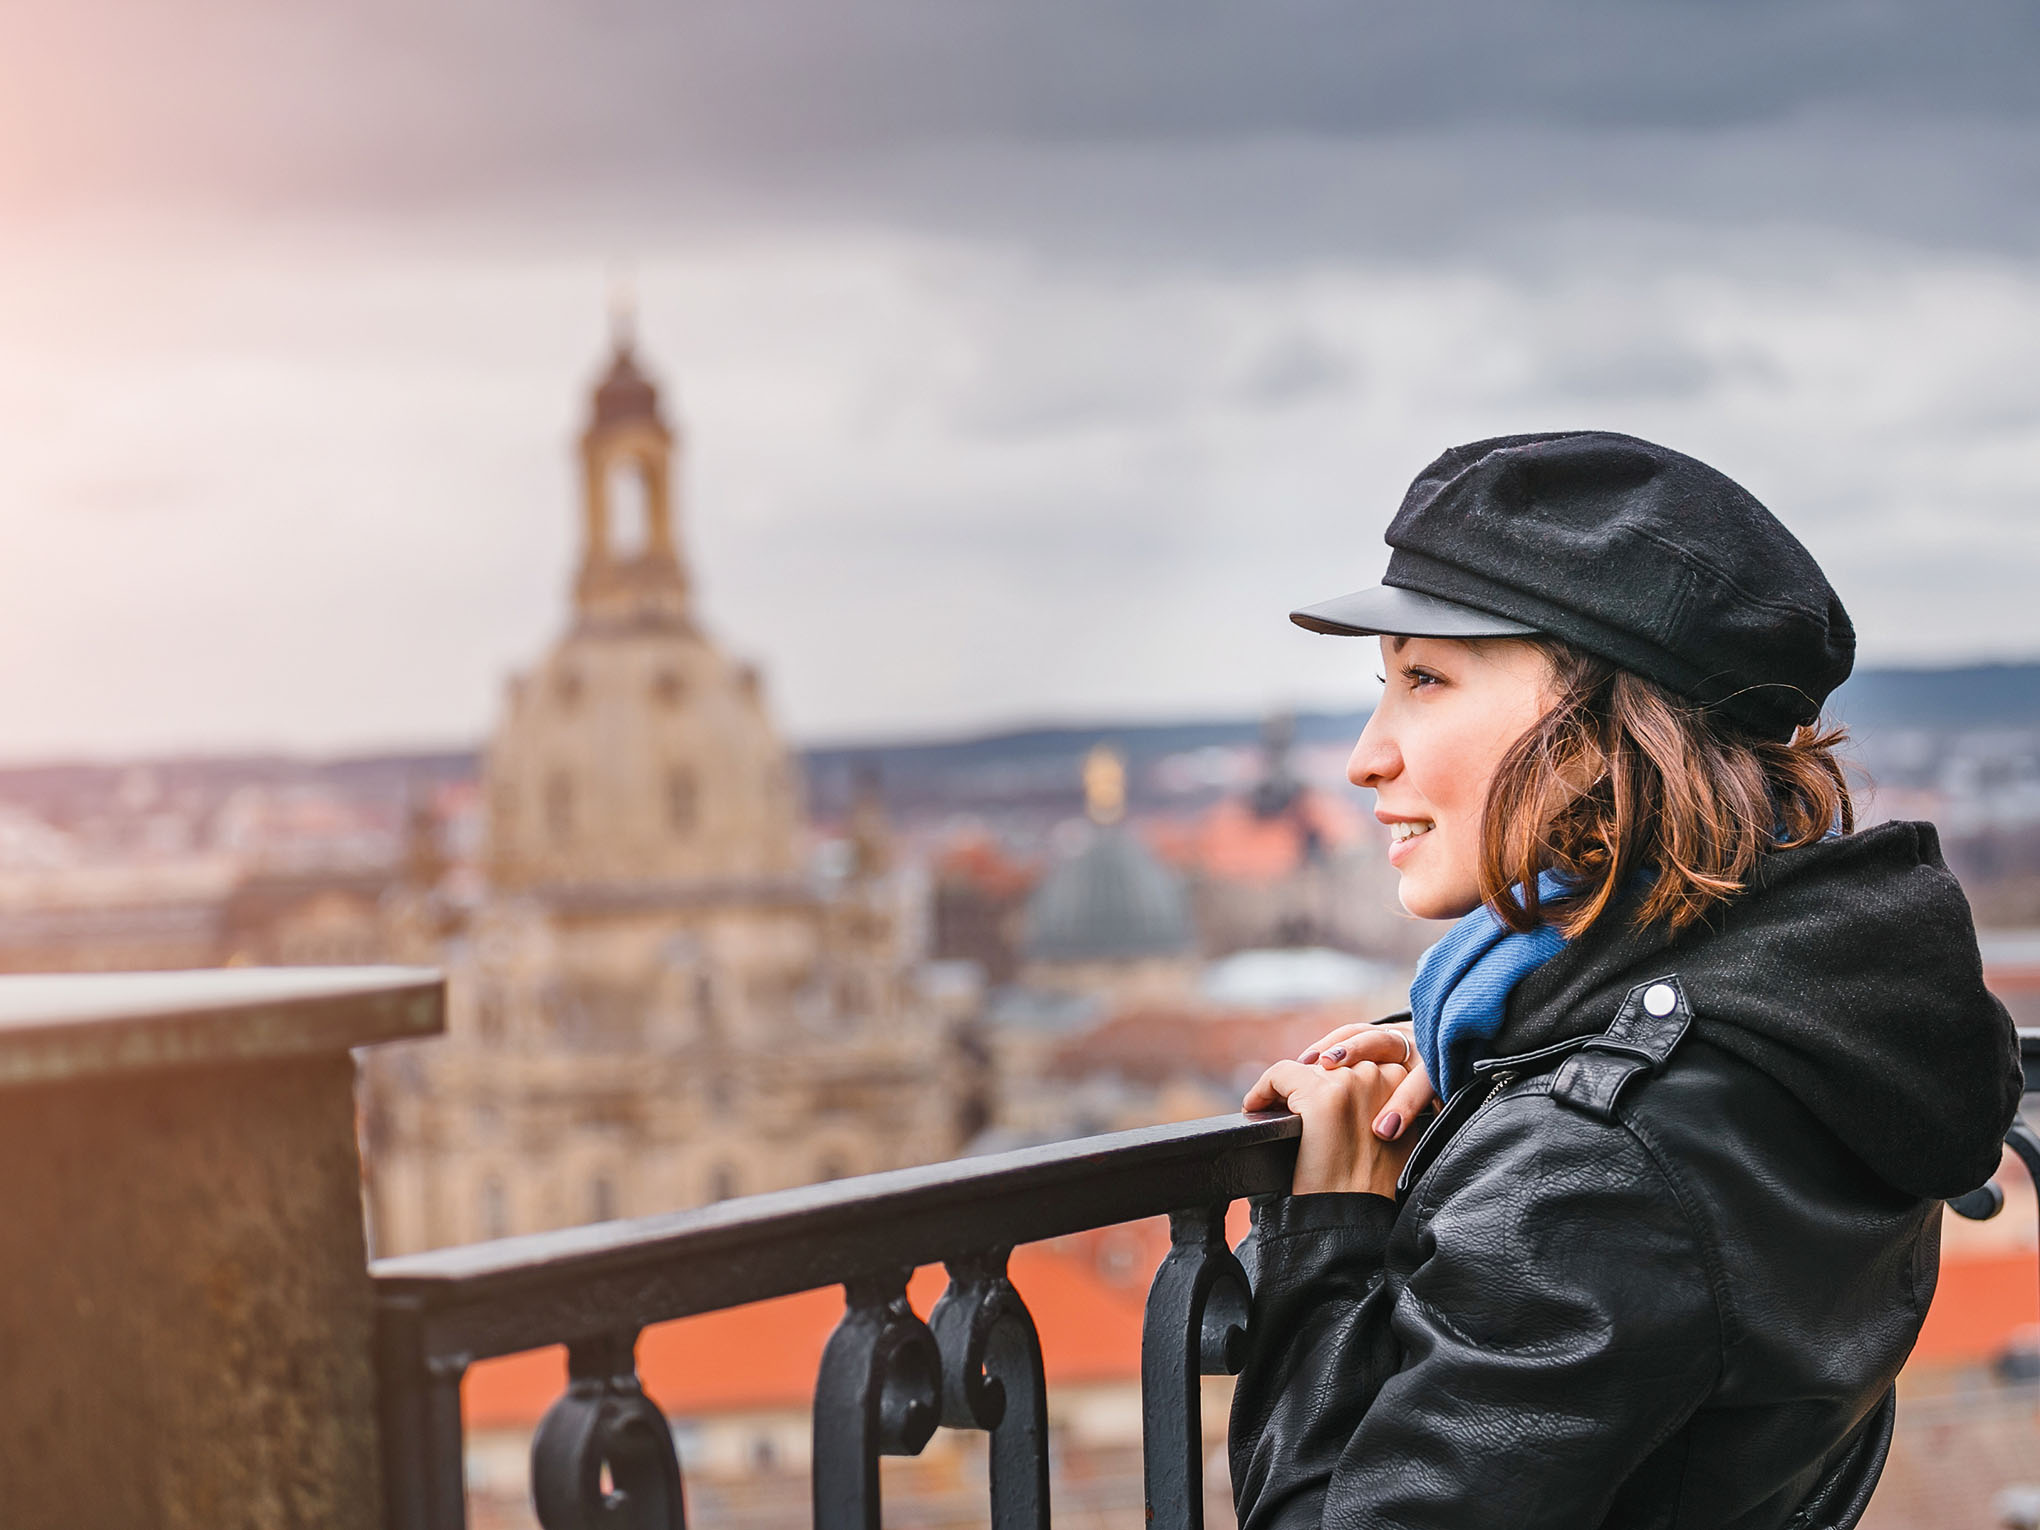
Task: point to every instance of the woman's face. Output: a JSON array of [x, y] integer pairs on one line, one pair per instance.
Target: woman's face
[[1449, 711]]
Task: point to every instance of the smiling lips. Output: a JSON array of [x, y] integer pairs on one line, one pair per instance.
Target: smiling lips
[[1402, 833]]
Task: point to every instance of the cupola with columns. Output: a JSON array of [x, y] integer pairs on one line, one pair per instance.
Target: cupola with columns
[[631, 573]]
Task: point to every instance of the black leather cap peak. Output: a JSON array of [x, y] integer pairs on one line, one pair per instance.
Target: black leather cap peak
[[1627, 550]]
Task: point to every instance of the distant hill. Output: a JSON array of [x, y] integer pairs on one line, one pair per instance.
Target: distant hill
[[1032, 767], [1972, 699], [1038, 765]]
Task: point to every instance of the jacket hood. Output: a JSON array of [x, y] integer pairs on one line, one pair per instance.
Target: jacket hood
[[1848, 972]]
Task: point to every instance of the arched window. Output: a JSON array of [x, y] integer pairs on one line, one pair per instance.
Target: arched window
[[722, 1182], [628, 497], [832, 1166], [680, 799], [601, 1199], [559, 804]]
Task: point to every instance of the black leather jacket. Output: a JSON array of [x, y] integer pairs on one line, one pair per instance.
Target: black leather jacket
[[1633, 1278]]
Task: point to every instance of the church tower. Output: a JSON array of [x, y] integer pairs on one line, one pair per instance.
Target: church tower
[[636, 752], [631, 574], [622, 991]]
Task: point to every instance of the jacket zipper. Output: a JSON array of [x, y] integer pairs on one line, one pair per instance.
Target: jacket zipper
[[1505, 1071], [1499, 1081], [1502, 1080]]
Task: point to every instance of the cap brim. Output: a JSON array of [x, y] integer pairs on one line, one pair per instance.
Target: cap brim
[[1387, 610]]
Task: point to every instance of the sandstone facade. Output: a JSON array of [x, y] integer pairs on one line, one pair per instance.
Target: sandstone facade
[[655, 1003]]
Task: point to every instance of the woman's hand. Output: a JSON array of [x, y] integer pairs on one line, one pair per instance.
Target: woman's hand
[[1339, 1104], [1349, 1044]]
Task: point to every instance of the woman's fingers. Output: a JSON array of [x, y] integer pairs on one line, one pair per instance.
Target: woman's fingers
[[1311, 1053], [1337, 1151], [1370, 1043], [1275, 1086], [1404, 1104], [1286, 1083]]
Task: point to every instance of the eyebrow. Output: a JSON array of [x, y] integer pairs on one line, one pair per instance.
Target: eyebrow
[[1395, 644]]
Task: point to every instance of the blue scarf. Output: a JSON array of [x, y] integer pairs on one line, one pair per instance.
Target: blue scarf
[[1462, 985]]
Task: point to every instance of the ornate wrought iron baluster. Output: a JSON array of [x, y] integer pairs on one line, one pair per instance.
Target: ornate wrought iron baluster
[[1980, 1204], [879, 1393], [992, 1380], [1196, 1325], [605, 1419]]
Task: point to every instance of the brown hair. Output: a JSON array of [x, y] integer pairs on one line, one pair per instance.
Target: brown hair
[[1621, 775]]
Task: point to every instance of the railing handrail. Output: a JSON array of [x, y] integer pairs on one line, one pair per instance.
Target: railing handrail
[[482, 1299]]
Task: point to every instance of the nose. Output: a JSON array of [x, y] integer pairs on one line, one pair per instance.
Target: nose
[[1375, 757]]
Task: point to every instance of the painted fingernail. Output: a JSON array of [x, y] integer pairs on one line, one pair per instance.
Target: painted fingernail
[[1335, 1054], [1389, 1127], [1307, 1055]]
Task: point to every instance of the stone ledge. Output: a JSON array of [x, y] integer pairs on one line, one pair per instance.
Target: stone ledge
[[72, 1026]]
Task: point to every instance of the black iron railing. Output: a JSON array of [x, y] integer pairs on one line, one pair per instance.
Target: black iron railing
[[887, 1379]]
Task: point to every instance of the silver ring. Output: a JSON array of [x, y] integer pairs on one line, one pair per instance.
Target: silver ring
[[1408, 1051]]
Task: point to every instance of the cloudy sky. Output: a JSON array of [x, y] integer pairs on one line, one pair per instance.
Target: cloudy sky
[[1033, 358]]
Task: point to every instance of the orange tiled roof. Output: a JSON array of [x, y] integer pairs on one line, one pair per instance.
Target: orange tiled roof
[[1231, 843], [979, 862]]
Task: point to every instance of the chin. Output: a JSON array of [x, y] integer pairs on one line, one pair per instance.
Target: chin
[[1435, 903]]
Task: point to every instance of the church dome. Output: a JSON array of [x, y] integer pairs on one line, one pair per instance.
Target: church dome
[[1112, 902]]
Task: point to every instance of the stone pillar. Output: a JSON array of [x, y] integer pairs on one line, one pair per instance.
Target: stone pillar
[[186, 1321]]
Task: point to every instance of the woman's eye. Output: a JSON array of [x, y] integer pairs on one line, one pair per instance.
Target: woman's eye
[[1419, 678]]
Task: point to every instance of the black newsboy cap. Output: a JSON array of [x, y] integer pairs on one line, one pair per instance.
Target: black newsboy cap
[[1619, 547]]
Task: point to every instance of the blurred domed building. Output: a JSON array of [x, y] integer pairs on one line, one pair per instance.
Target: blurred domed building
[[650, 950], [1110, 920], [1290, 866]]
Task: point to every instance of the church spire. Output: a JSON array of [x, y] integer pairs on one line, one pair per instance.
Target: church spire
[[631, 572]]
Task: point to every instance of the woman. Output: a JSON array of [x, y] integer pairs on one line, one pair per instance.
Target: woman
[[1705, 1056]]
